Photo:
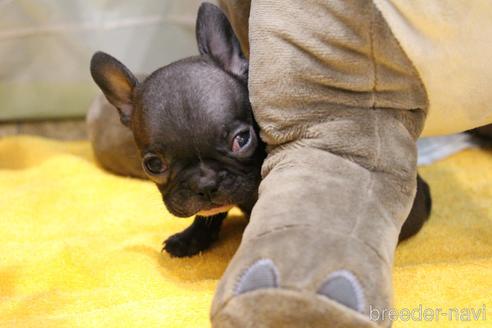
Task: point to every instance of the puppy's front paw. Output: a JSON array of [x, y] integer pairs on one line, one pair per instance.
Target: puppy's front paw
[[186, 244], [196, 238]]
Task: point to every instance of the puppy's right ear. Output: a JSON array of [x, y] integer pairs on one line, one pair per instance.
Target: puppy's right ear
[[217, 39], [116, 82]]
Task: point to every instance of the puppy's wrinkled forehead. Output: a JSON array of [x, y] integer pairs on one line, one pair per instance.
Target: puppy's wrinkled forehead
[[190, 101]]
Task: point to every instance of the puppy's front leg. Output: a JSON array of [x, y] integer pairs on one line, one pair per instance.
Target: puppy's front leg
[[196, 238]]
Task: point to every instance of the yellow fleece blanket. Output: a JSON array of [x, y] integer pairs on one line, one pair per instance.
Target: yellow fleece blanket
[[80, 247]]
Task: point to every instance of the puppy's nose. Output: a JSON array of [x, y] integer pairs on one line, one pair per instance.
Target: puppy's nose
[[205, 186], [206, 181]]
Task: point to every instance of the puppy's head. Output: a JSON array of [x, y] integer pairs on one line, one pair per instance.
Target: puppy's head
[[192, 121]]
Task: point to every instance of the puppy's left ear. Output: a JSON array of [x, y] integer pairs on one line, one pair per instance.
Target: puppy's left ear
[[116, 82], [217, 39]]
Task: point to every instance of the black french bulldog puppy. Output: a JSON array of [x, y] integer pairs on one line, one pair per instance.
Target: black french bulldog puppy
[[194, 129], [193, 125]]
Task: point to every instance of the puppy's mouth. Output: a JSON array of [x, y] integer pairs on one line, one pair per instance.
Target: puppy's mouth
[[210, 211]]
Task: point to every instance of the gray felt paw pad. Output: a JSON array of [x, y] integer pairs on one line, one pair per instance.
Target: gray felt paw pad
[[343, 287], [262, 274]]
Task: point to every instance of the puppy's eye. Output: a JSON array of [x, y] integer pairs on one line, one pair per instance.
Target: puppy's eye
[[154, 165], [240, 140]]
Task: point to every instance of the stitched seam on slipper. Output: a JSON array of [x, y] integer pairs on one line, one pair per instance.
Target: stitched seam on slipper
[[318, 229]]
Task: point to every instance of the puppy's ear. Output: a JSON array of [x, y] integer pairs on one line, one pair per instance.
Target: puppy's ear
[[116, 82], [216, 38]]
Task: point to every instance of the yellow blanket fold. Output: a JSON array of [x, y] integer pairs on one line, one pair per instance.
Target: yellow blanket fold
[[80, 247]]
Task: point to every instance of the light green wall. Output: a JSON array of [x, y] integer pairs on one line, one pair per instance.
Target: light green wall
[[46, 45]]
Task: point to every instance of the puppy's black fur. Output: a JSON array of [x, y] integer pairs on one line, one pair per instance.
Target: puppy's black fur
[[195, 132]]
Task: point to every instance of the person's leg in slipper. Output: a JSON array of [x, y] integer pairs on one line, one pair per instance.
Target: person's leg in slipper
[[340, 107]]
